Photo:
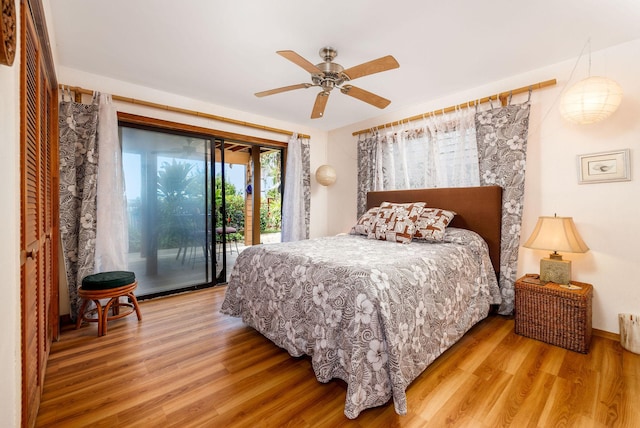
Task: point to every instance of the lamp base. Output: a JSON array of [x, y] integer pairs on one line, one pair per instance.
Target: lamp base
[[554, 270]]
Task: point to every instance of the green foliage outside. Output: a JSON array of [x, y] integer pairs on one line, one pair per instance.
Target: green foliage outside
[[271, 208]]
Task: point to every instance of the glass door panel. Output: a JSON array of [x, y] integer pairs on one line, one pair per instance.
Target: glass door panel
[[169, 206], [233, 221], [192, 208], [271, 195]]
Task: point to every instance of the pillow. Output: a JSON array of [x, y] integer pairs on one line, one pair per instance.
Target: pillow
[[395, 222], [363, 226], [432, 223]]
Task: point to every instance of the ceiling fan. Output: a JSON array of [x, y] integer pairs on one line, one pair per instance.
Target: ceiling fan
[[328, 75]]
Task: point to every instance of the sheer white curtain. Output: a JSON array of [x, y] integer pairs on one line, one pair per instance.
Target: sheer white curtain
[[439, 151], [442, 152], [112, 237], [296, 198]]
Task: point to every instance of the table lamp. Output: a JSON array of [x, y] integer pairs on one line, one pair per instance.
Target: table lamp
[[556, 234]]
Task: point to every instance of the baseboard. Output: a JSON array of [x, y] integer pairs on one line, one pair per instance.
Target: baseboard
[[606, 334]]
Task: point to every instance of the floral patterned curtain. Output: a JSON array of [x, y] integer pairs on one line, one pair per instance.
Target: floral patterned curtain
[[366, 169], [78, 190], [502, 151], [296, 200]]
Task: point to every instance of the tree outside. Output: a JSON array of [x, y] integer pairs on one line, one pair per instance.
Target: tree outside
[[271, 206]]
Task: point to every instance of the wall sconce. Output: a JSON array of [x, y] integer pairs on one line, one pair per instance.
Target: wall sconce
[[556, 234], [325, 175]]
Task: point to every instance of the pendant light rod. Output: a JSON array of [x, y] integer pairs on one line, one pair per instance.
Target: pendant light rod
[[589, 70]]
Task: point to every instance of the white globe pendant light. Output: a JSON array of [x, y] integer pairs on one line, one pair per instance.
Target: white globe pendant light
[[590, 100]]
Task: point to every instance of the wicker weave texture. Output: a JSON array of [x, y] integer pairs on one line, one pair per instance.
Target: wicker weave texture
[[554, 314]]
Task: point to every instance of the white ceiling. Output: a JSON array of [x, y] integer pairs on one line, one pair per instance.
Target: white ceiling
[[223, 51]]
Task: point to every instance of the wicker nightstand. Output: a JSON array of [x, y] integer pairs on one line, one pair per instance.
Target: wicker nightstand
[[553, 314]]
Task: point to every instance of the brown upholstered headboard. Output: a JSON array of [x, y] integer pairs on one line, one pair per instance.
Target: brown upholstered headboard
[[477, 208]]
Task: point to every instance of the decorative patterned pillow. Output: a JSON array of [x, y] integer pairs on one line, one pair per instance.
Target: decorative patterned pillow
[[396, 222], [363, 226], [432, 223]]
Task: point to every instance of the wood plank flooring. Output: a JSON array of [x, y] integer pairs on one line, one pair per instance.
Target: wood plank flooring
[[187, 365]]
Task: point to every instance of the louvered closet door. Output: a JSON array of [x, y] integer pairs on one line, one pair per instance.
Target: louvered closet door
[[45, 224], [48, 155], [32, 295], [38, 225]]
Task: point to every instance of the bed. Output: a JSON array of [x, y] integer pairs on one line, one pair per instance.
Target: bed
[[371, 312]]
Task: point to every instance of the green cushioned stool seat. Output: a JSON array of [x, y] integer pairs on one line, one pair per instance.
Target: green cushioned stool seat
[[106, 280], [110, 286]]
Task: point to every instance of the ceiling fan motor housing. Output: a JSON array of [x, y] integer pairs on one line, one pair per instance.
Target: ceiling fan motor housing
[[331, 72]]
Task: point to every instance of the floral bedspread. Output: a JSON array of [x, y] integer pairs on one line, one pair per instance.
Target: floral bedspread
[[372, 313]]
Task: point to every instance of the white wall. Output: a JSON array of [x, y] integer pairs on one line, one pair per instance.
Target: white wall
[[606, 215], [10, 366]]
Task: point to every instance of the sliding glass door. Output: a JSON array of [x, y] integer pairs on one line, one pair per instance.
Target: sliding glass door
[[240, 225], [170, 203], [194, 203]]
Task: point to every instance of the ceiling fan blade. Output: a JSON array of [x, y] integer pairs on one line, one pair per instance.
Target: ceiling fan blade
[[376, 66], [319, 105], [300, 61], [366, 96], [283, 89]]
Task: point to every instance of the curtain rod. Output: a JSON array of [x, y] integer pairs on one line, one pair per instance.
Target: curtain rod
[[502, 96], [78, 90]]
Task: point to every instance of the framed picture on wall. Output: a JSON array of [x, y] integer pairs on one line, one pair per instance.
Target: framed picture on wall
[[604, 167]]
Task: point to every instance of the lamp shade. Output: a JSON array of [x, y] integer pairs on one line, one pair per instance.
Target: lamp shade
[[591, 100], [325, 175], [556, 234]]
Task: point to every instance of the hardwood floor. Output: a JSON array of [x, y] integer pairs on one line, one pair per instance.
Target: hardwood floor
[[187, 365]]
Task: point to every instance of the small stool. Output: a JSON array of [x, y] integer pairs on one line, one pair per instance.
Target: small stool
[[107, 285]]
